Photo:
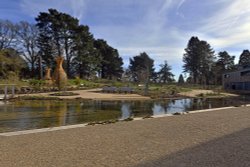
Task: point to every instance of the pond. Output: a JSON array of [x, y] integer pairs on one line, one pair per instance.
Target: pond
[[23, 115]]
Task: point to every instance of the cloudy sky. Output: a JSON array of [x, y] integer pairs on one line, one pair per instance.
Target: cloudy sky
[[161, 28]]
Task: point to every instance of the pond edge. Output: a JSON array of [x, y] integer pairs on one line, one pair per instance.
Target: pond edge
[[41, 130]]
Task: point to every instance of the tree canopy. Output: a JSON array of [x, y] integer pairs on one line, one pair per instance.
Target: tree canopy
[[141, 67], [198, 60], [181, 79], [60, 34], [11, 63], [244, 60], [165, 75]]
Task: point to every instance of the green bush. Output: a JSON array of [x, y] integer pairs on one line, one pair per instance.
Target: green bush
[[77, 81], [36, 84]]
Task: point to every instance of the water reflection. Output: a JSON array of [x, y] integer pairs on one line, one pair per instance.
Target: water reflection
[[158, 109], [22, 115], [126, 111]]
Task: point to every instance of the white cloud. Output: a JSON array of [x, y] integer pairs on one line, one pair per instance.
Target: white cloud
[[229, 26], [73, 7], [154, 27]]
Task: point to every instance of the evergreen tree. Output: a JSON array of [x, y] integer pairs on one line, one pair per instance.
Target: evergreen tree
[[111, 62], [59, 29], [191, 58], [244, 60], [207, 62], [224, 63], [86, 61], [198, 60], [141, 66], [165, 75], [181, 80], [142, 69]]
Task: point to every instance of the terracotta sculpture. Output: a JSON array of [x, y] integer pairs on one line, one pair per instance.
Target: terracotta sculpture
[[48, 79], [60, 77]]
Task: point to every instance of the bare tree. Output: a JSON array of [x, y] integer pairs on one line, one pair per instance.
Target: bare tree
[[7, 34], [27, 35]]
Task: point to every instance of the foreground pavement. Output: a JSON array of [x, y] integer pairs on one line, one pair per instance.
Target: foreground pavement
[[215, 138]]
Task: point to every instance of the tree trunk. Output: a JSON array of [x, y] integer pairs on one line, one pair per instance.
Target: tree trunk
[[32, 70]]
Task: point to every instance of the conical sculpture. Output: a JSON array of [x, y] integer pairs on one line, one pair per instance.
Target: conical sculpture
[[60, 77], [47, 78]]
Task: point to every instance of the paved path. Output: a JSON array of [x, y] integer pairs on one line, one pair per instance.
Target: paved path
[[215, 138]]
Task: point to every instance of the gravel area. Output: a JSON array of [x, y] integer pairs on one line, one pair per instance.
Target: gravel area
[[94, 94], [215, 138], [197, 92]]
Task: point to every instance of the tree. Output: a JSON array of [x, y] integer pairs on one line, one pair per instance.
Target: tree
[[198, 60], [207, 62], [10, 63], [244, 60], [27, 35], [191, 58], [86, 60], [141, 66], [7, 34], [181, 80], [165, 75], [224, 63], [111, 62], [142, 69], [58, 28]]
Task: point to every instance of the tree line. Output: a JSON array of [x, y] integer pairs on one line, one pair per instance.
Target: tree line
[[27, 49], [59, 34], [204, 67]]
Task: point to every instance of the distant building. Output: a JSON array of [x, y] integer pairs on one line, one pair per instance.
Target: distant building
[[237, 80]]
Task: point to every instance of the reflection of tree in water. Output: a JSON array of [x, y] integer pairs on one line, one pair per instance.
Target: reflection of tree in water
[[126, 110], [142, 108], [98, 111], [177, 105], [34, 114], [55, 114], [197, 104], [21, 115], [187, 104], [159, 108]]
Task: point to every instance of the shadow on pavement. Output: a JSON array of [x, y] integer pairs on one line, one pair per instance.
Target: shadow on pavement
[[229, 151]]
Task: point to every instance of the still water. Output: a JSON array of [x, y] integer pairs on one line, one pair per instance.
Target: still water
[[22, 115]]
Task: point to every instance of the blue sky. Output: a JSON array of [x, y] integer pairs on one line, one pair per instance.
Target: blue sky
[[161, 28]]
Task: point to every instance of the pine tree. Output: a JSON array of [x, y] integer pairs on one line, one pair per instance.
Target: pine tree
[[58, 29], [181, 80], [111, 62], [244, 60], [165, 75], [198, 60], [224, 63]]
